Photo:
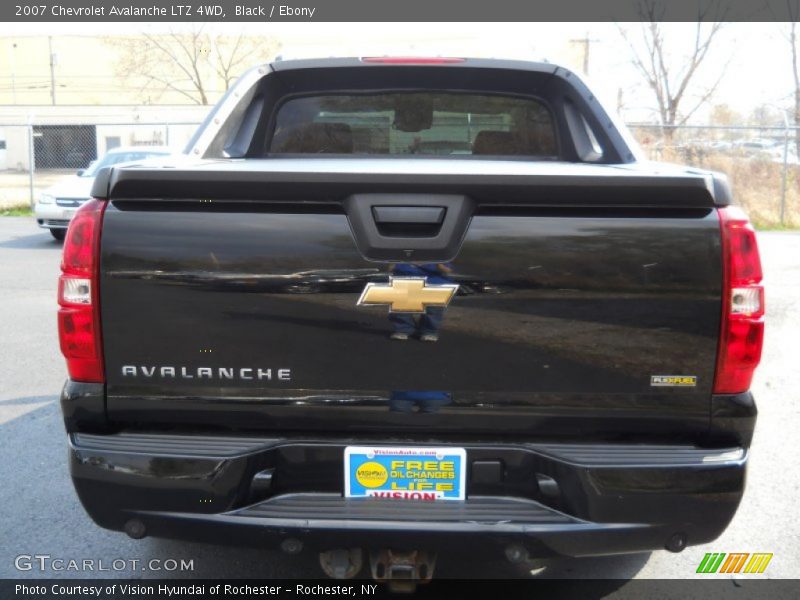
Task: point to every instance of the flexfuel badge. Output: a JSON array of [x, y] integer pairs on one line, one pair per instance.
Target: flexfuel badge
[[673, 381]]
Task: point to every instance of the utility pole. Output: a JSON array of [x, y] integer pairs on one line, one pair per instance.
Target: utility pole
[[12, 64], [586, 42], [52, 69]]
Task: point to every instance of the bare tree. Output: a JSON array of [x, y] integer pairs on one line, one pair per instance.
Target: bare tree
[[723, 115], [234, 54], [670, 79], [194, 65]]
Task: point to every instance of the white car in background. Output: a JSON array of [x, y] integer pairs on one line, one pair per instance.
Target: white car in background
[[57, 204]]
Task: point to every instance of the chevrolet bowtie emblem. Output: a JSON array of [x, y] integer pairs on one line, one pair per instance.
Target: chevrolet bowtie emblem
[[407, 294]]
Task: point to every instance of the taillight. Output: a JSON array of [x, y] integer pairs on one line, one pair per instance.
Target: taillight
[[413, 60], [742, 332], [78, 297]]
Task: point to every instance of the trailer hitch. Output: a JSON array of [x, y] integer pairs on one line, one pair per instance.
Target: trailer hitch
[[402, 571]]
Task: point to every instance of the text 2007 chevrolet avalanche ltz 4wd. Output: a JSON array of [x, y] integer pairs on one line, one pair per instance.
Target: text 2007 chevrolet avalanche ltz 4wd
[[386, 306]]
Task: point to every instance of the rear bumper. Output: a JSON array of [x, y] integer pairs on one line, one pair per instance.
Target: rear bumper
[[554, 499]]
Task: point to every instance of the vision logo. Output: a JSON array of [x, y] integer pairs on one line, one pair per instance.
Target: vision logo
[[372, 475], [737, 562]]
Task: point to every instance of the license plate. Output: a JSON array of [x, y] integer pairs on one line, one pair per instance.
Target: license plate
[[404, 472]]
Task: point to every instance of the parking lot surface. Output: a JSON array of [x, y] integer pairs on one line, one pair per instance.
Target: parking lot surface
[[42, 515]]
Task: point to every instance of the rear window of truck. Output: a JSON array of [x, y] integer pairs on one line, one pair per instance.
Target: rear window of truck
[[415, 123]]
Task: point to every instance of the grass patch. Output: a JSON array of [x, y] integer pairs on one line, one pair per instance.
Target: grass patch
[[761, 226], [16, 211], [757, 181]]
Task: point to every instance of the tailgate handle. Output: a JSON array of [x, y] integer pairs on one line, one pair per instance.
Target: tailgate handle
[[403, 227], [427, 215]]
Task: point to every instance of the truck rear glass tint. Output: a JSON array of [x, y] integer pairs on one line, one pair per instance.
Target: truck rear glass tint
[[415, 123]]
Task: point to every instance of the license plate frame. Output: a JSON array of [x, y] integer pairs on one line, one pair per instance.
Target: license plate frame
[[415, 473]]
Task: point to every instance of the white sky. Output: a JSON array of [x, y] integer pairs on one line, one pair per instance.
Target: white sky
[[759, 65]]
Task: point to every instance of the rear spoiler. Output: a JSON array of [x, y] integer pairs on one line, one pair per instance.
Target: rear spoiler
[[487, 182]]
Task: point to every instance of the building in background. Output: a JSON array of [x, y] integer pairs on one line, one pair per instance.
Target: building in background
[[67, 99], [70, 137]]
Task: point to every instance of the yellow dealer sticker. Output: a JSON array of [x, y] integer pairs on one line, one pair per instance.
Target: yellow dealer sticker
[[371, 475]]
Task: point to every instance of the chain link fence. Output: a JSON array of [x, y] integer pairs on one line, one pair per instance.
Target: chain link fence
[[761, 162], [36, 156]]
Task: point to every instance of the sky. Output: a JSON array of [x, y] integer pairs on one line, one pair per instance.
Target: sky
[[756, 56]]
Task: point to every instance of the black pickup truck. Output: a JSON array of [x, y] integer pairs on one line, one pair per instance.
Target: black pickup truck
[[382, 307]]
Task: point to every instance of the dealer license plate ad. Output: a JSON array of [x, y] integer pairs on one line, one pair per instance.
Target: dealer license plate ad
[[404, 473]]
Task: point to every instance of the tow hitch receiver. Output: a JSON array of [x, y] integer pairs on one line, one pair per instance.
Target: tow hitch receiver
[[401, 571], [342, 563]]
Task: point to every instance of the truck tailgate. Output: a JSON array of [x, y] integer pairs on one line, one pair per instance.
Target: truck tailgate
[[580, 308]]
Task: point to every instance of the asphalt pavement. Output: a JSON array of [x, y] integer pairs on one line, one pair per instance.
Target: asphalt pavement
[[41, 514]]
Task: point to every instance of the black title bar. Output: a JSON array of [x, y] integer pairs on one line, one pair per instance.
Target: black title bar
[[578, 589], [397, 11]]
